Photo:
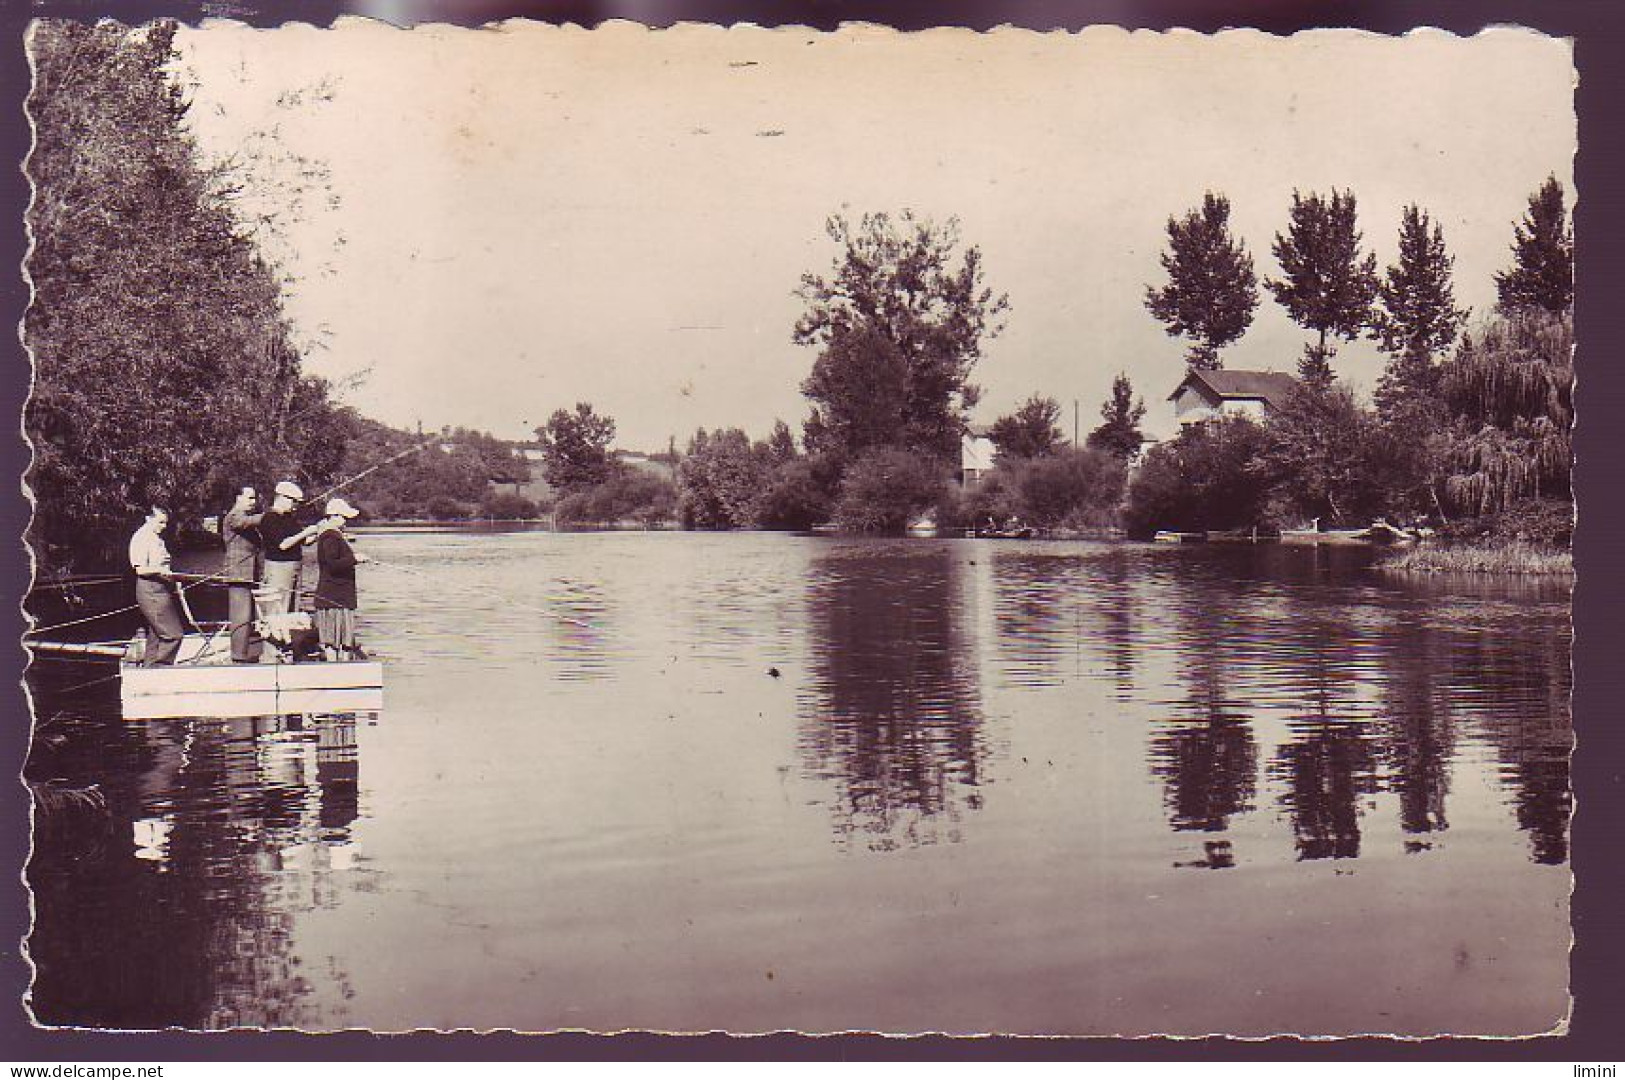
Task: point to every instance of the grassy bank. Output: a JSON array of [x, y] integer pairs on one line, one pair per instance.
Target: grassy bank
[[1511, 558]]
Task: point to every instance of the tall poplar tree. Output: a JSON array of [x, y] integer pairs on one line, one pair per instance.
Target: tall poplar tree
[[1542, 273], [1328, 286], [1211, 292], [1417, 318]]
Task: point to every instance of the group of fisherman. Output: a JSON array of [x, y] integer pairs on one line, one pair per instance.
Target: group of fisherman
[[263, 557]]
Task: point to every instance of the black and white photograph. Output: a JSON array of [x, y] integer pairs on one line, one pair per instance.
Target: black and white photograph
[[720, 528]]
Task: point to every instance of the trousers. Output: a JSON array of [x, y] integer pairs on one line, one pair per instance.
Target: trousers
[[281, 578], [157, 602], [246, 644]]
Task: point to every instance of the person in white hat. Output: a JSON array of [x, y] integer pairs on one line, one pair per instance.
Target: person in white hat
[[281, 537], [335, 591]]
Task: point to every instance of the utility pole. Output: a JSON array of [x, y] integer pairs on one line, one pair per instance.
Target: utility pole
[[1074, 421]]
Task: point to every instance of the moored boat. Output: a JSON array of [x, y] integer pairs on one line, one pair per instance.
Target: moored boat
[[1165, 536]]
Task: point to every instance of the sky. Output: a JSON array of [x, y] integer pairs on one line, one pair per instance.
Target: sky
[[482, 226]]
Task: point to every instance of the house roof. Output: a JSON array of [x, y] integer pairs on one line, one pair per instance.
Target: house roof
[[1271, 387]]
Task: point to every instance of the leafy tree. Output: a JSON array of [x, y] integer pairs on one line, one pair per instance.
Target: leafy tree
[[164, 368], [1329, 458], [1206, 478], [1418, 318], [626, 495], [1030, 431], [1542, 273], [860, 387], [1328, 287], [796, 497], [1510, 392], [886, 489], [1119, 433], [502, 465], [722, 479], [1072, 487], [901, 324], [1211, 292], [575, 448], [781, 443]]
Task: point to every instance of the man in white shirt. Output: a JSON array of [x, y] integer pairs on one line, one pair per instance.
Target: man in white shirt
[[155, 589]]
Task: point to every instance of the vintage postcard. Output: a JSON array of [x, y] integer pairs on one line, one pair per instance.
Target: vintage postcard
[[732, 529]]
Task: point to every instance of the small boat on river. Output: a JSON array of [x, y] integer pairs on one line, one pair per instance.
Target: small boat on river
[[1165, 536]]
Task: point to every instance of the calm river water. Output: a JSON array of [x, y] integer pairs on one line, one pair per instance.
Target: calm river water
[[992, 787]]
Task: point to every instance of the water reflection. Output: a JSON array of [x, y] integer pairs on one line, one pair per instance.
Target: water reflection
[[176, 904], [893, 713]]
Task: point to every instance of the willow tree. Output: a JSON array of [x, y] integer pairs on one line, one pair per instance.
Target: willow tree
[[164, 369], [1510, 389], [900, 321]]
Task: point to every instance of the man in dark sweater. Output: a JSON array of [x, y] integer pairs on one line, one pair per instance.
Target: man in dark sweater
[[282, 537]]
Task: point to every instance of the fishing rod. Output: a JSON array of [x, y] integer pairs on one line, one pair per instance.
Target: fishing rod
[[341, 485]]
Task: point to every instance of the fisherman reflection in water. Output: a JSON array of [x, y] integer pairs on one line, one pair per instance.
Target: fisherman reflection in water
[[155, 589], [335, 590]]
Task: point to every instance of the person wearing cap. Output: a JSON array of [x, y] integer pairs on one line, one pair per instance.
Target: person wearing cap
[[155, 589], [335, 589], [281, 537], [239, 528]]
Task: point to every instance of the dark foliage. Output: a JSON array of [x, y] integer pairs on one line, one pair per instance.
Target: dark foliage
[[797, 497], [1211, 292], [575, 449], [1206, 478], [1119, 433], [1417, 319], [722, 480], [1542, 273], [900, 322], [886, 489], [164, 368], [1073, 487], [627, 495], [1327, 286], [1030, 431]]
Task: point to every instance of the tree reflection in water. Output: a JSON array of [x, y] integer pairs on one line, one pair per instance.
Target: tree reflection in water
[[892, 714], [1517, 685], [177, 907], [1208, 758]]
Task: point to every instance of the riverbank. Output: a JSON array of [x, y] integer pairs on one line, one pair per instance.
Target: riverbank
[[1514, 558]]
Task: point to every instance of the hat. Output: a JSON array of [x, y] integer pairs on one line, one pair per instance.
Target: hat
[[340, 508], [290, 489]]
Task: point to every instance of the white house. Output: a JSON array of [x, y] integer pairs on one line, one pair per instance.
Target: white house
[[976, 453], [1209, 395]]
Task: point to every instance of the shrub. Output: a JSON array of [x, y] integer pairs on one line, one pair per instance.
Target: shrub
[[507, 506], [795, 498], [445, 508], [1209, 477], [628, 495], [1080, 488], [884, 490]]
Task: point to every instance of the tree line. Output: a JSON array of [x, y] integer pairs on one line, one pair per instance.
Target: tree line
[[166, 370], [1468, 430]]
